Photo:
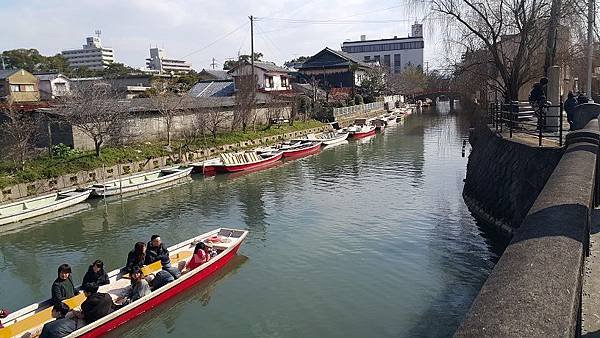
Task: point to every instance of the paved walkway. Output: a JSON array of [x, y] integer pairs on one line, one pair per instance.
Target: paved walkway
[[590, 307]]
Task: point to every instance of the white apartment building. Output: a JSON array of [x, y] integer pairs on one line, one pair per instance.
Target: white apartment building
[[158, 61], [92, 55], [395, 53]]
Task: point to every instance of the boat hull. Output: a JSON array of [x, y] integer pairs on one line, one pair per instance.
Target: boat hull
[[302, 151], [337, 140], [164, 296], [231, 168], [57, 205], [358, 135], [143, 186]]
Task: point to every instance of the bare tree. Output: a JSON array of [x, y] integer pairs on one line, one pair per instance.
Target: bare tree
[[214, 120], [167, 98], [95, 110], [410, 81], [245, 100], [18, 133]]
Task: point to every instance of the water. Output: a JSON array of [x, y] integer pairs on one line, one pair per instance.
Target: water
[[369, 238]]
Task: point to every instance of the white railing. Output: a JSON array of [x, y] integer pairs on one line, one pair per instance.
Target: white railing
[[360, 108]]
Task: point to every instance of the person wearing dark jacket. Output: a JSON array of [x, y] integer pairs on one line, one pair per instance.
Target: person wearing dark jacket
[[96, 304], [136, 257], [62, 326], [156, 251], [63, 287], [96, 274], [581, 99], [569, 105]]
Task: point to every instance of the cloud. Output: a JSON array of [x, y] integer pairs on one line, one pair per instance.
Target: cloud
[[184, 27]]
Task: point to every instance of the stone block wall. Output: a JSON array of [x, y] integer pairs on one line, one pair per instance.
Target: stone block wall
[[504, 177]]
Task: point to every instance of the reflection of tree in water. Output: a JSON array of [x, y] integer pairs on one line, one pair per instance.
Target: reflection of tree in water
[[173, 308], [250, 194]]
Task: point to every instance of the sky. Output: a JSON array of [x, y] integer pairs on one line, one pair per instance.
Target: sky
[[199, 30]]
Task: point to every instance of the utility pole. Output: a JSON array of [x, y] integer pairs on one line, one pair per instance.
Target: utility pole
[[590, 51], [252, 51], [213, 64]]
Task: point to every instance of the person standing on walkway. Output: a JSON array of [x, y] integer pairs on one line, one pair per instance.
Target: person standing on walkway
[[569, 105], [537, 99]]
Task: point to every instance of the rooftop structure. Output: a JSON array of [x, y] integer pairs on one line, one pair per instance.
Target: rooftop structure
[[92, 56]]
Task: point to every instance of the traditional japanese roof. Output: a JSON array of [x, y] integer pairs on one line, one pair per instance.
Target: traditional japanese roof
[[7, 72], [212, 89], [219, 75], [266, 66], [329, 58]]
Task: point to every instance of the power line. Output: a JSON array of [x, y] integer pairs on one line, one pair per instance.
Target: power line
[[332, 22], [217, 40]]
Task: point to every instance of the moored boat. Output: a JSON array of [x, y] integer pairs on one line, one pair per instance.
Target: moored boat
[[140, 182], [29, 320], [327, 138], [300, 148], [18, 211], [360, 129], [233, 162]]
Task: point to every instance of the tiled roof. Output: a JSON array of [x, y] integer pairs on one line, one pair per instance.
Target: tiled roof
[[212, 89], [7, 72], [217, 74], [345, 57]]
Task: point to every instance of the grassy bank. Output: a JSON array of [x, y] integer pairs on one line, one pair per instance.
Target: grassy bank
[[73, 161]]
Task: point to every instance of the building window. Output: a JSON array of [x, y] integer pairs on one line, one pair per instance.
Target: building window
[[386, 61], [27, 88], [367, 58], [397, 63], [269, 82], [14, 88], [284, 82], [378, 59]]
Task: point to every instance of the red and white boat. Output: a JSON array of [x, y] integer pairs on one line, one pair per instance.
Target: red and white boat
[[361, 129], [300, 148], [234, 162], [30, 320]]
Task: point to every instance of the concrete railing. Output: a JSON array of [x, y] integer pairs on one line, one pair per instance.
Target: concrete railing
[[360, 108], [535, 288]]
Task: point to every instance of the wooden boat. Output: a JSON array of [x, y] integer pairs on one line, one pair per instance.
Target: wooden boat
[[29, 320], [379, 124], [327, 138], [140, 182], [18, 211], [233, 162], [300, 148], [361, 129]]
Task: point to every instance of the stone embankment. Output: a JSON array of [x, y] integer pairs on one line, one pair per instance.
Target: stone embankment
[[86, 178], [504, 177]]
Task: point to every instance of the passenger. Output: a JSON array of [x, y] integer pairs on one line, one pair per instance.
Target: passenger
[[62, 326], [63, 287], [136, 257], [139, 287], [199, 257], [97, 304], [3, 314], [96, 274], [162, 278], [158, 252]]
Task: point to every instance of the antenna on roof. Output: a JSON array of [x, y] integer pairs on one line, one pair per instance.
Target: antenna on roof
[[98, 32]]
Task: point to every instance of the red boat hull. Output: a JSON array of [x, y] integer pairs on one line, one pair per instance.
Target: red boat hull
[[303, 151], [211, 169], [363, 134], [150, 304]]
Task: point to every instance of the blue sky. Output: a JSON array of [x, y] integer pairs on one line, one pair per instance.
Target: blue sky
[[187, 28]]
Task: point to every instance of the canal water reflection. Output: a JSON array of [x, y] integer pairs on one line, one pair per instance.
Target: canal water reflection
[[368, 238]]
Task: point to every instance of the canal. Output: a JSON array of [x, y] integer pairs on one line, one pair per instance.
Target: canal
[[369, 238]]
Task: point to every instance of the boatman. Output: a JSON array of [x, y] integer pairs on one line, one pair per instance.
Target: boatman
[[156, 251]]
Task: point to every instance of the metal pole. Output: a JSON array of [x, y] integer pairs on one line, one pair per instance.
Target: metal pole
[[252, 50], [560, 125], [590, 37]]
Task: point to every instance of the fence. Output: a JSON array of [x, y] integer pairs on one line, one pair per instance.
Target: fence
[[544, 122], [360, 108]]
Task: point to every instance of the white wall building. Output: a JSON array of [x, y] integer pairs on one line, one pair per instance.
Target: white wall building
[[158, 61], [395, 53], [53, 86], [92, 55]]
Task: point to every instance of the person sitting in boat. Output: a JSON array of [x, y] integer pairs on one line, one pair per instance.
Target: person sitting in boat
[[63, 326], [136, 257], [97, 304], [96, 274], [200, 256], [156, 251], [3, 314], [63, 287], [160, 279], [139, 287]]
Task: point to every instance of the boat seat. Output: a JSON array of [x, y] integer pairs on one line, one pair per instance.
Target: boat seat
[[32, 322]]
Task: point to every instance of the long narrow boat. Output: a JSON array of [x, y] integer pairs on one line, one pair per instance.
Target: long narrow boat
[[361, 131], [29, 320], [140, 182], [18, 211], [233, 162], [301, 149], [327, 138]]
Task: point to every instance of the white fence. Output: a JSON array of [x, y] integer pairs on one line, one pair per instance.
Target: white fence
[[360, 108]]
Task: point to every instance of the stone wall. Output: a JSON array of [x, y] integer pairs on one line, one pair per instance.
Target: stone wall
[[87, 178], [504, 177]]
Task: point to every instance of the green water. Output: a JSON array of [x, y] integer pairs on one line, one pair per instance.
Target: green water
[[366, 239]]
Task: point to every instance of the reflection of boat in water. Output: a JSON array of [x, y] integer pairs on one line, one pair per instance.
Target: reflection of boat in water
[[254, 170], [141, 193], [140, 182], [336, 145], [201, 292], [37, 206], [54, 216], [366, 140], [225, 241]]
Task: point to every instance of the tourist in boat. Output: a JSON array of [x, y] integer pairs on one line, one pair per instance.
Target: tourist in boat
[[63, 287], [139, 287], [136, 257], [160, 279], [63, 325], [3, 314], [96, 274], [201, 255], [97, 304], [156, 251]]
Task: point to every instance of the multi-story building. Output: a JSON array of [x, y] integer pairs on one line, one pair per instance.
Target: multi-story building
[[395, 53], [18, 85], [269, 76], [92, 56], [158, 61]]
